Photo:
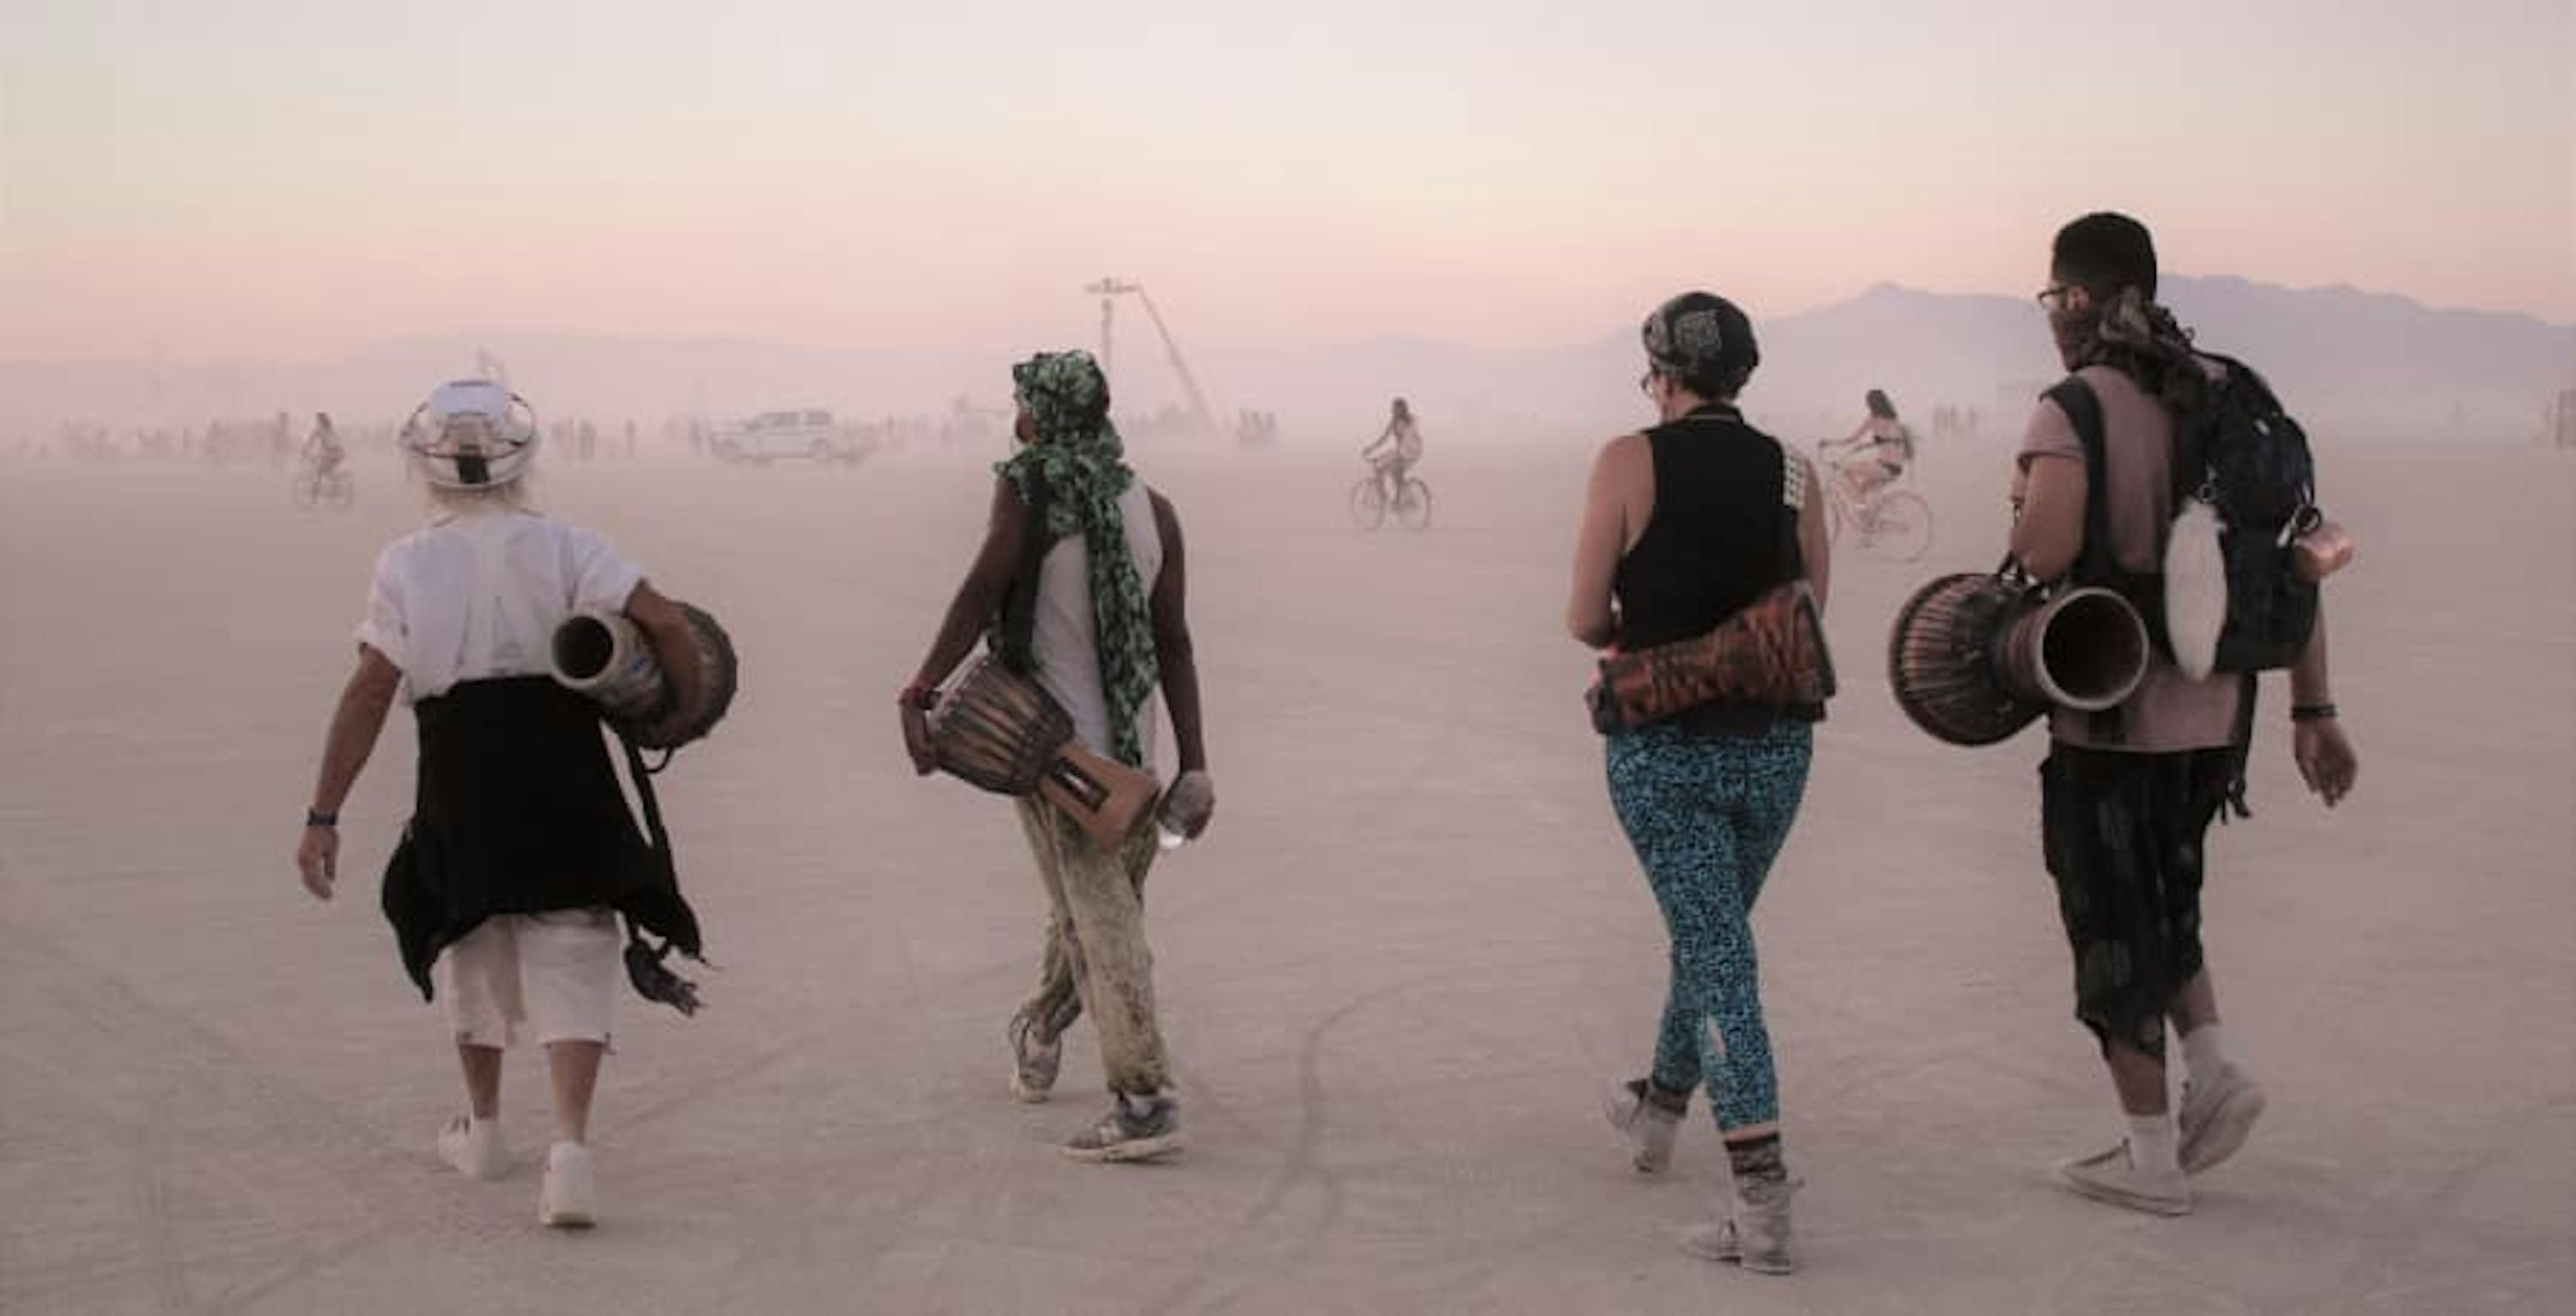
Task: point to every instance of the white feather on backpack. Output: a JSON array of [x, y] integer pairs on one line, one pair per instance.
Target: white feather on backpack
[[2195, 588]]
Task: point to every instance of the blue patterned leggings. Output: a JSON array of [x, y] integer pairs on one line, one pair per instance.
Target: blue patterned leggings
[[1707, 817]]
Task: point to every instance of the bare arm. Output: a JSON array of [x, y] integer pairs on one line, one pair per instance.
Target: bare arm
[[666, 629], [987, 580], [1173, 648], [2327, 762], [355, 724], [1589, 617], [1813, 542], [1006, 532], [2048, 532]]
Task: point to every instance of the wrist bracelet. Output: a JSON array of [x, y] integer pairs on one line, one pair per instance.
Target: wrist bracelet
[[317, 818], [2312, 712]]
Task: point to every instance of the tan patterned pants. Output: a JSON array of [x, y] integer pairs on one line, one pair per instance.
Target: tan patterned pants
[[1096, 957]]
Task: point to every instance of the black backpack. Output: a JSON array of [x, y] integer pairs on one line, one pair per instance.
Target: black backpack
[[2240, 453]]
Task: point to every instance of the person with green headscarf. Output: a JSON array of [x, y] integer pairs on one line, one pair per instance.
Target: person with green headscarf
[[1079, 586]]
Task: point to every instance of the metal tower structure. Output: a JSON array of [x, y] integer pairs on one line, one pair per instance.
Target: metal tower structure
[[1108, 290]]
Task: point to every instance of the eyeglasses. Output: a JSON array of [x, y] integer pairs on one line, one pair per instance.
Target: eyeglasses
[[1646, 383], [2050, 295]]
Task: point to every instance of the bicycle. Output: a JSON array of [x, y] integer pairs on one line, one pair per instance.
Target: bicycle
[[1896, 523], [315, 487], [1370, 504]]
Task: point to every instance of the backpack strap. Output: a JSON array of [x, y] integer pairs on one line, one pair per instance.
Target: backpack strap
[[2095, 563]]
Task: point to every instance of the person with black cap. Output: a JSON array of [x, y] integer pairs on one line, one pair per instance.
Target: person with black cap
[[1683, 525]]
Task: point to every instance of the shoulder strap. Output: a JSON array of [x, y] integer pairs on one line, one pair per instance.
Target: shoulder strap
[[2095, 563], [2083, 408]]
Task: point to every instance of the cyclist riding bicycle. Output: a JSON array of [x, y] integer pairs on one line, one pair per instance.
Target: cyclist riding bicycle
[[1401, 441], [1883, 447], [322, 451]]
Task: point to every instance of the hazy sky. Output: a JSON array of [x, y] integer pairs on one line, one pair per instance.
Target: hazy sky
[[282, 176]]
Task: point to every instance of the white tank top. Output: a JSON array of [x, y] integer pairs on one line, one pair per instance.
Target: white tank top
[[1063, 635]]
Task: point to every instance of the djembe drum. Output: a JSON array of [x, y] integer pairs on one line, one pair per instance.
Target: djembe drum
[[1004, 733], [602, 654], [1974, 658]]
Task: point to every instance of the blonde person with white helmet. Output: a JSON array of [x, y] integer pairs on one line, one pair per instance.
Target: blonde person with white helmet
[[520, 853]]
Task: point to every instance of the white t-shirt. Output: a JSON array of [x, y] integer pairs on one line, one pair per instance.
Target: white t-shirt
[[478, 594]]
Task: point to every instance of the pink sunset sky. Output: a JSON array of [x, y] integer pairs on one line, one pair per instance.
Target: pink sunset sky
[[289, 177]]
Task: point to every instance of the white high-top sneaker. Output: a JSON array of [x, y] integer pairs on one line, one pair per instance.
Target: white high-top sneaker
[[569, 1199], [473, 1147], [2218, 1114]]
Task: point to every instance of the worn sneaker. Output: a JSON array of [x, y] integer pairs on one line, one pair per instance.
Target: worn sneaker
[[1650, 1128], [1033, 1063], [2217, 1116], [1762, 1225], [474, 1148], [569, 1198], [2110, 1177], [1135, 1129], [1713, 1242]]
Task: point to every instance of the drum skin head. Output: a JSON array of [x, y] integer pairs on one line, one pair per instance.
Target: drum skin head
[[720, 672], [1940, 660]]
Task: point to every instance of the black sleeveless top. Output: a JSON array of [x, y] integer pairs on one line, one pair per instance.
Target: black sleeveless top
[[1722, 534]]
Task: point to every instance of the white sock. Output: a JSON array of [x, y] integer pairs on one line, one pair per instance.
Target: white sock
[[2200, 1050], [2153, 1145]]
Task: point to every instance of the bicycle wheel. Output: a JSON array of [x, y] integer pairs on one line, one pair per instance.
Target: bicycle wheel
[[1413, 505], [1903, 527], [306, 490], [1368, 503], [342, 491]]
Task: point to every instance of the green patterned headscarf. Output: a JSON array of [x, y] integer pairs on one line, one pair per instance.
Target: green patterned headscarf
[[1080, 463]]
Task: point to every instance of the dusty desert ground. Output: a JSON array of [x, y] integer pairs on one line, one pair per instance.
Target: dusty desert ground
[[1395, 975]]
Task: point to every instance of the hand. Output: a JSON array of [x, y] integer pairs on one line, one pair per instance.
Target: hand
[[683, 709], [317, 857], [916, 738], [1189, 803], [2325, 757]]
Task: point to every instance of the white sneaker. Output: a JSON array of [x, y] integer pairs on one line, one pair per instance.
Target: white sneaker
[[1713, 1242], [569, 1198], [2110, 1176], [2217, 1116], [1650, 1128], [473, 1148]]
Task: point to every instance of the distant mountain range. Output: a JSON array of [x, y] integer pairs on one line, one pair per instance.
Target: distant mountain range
[[2369, 364]]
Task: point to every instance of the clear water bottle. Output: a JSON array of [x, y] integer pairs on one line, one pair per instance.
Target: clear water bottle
[[1183, 809]]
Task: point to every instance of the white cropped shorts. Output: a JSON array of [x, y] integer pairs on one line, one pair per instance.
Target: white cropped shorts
[[555, 972]]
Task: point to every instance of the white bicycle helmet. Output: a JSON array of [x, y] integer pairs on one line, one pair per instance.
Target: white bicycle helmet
[[472, 434]]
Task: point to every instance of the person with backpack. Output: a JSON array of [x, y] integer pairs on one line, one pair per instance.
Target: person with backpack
[[2144, 427]]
